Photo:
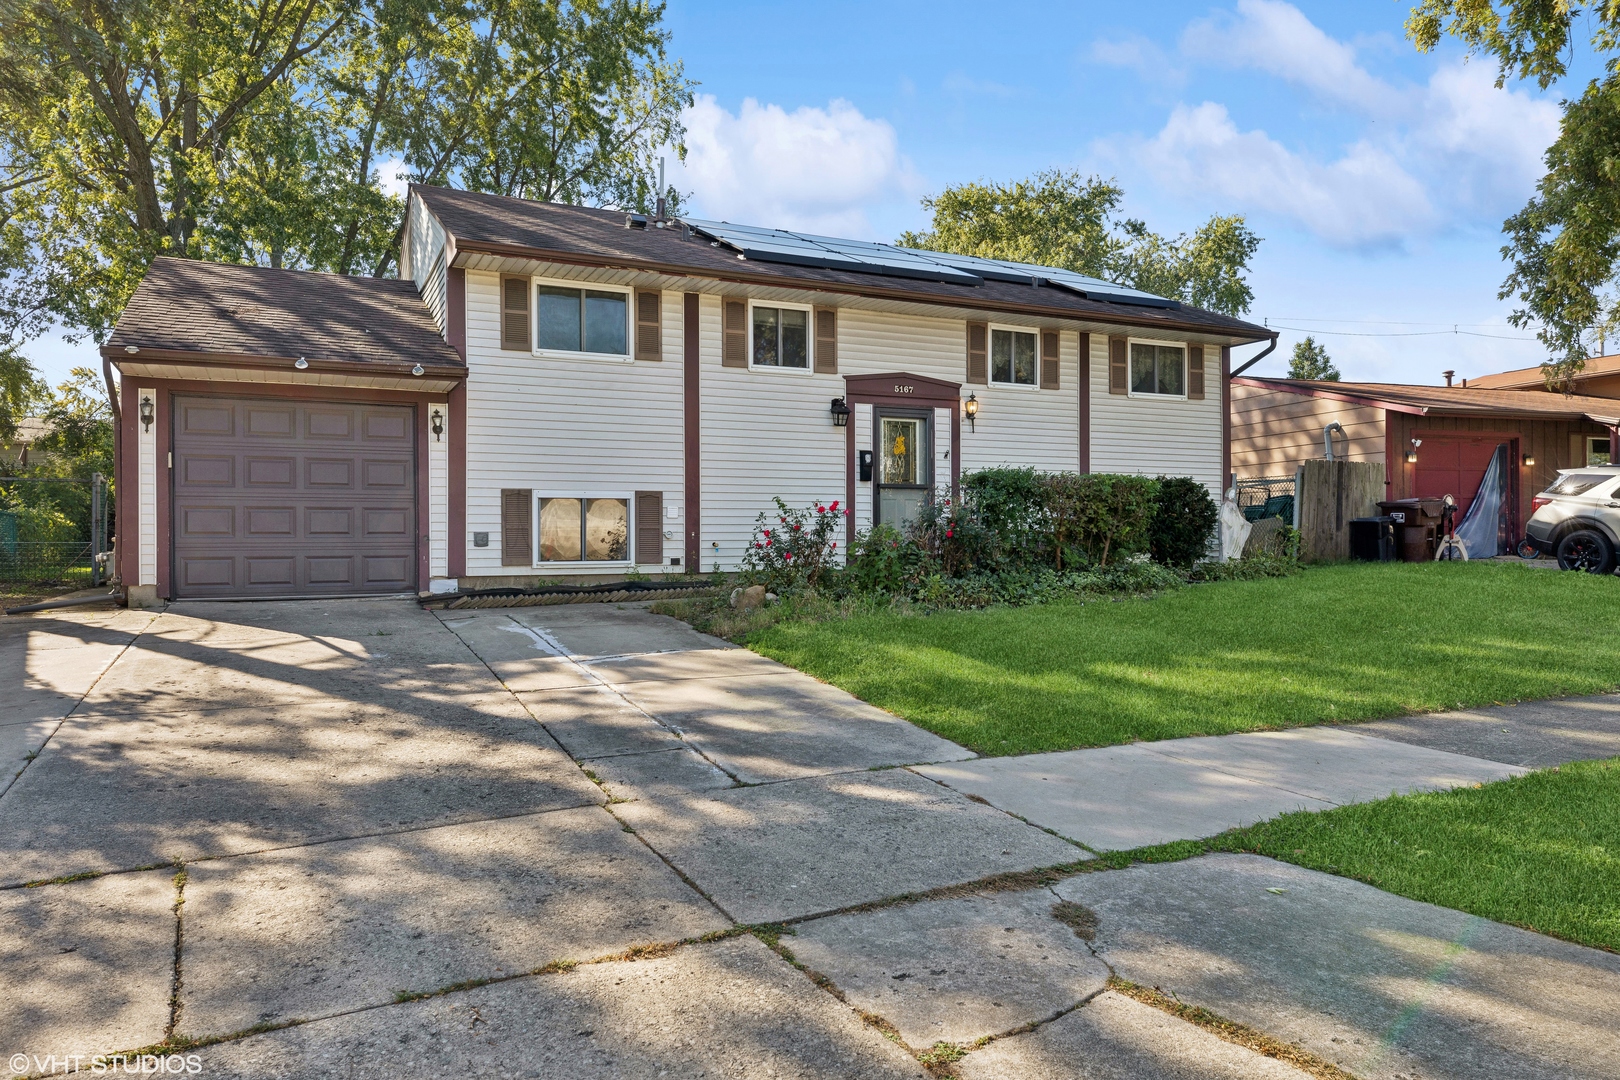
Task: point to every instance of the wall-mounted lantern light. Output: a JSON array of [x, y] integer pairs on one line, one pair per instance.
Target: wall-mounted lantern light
[[1411, 455], [970, 409], [300, 363], [1529, 459], [436, 425], [840, 412], [148, 412]]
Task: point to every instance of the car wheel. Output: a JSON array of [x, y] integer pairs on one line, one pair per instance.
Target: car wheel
[[1588, 550], [1527, 550]]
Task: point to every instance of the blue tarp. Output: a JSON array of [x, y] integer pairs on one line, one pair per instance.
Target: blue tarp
[[1487, 527]]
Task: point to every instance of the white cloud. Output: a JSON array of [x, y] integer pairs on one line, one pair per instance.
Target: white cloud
[[1426, 157], [1364, 198], [1137, 53], [393, 176], [1277, 38], [1486, 144], [812, 169]]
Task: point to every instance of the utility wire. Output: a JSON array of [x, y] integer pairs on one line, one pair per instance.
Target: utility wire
[[1454, 331]]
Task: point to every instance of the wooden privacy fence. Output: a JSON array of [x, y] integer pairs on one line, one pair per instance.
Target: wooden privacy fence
[[1330, 494]]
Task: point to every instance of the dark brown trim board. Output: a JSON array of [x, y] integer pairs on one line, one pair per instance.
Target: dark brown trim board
[[1084, 392], [457, 518], [691, 431], [1226, 417], [455, 308]]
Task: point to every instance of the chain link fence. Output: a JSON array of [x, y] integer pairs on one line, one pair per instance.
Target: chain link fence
[[1267, 496], [53, 530]]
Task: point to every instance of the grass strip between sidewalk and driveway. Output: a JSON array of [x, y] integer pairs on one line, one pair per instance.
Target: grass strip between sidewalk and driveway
[[1335, 643], [1539, 851]]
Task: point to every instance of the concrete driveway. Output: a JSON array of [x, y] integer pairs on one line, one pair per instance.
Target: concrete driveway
[[356, 838]]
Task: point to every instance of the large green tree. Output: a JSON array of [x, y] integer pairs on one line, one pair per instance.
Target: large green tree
[[1565, 244], [1064, 219], [252, 130]]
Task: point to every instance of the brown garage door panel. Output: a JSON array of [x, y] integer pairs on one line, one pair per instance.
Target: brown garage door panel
[[292, 498]]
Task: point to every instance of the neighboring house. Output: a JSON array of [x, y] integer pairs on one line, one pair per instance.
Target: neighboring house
[[1432, 440], [30, 430], [1599, 378], [555, 392]]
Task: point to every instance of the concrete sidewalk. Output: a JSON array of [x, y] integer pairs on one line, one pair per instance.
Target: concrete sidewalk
[[1120, 797], [331, 838]]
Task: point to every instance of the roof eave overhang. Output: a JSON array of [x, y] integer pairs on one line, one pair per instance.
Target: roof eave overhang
[[367, 369], [1243, 334]]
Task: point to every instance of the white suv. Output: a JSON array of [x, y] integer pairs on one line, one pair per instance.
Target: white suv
[[1577, 519]]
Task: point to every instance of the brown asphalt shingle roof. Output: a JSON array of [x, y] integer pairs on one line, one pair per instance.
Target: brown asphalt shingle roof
[[183, 305], [1531, 378], [505, 225], [1453, 400]]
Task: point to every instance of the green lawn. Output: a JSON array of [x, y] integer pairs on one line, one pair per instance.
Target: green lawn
[[1541, 851], [1344, 642]]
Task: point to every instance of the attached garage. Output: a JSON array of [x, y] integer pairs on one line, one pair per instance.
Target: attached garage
[[282, 434], [292, 498]]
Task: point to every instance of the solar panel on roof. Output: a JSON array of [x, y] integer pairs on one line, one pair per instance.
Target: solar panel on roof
[[809, 249], [1090, 287]]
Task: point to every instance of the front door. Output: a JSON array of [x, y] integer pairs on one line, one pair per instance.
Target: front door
[[903, 481]]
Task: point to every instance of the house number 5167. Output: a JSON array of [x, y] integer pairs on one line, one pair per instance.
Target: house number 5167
[[901, 389]]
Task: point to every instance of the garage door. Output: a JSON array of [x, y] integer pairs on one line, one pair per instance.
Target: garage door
[[292, 498], [1453, 465]]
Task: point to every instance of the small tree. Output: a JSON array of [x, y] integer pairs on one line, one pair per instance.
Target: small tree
[[1311, 361]]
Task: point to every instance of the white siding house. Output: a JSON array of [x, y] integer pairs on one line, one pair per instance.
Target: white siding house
[[562, 393], [717, 443]]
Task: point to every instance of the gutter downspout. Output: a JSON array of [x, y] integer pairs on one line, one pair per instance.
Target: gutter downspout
[[1256, 358], [1327, 439]]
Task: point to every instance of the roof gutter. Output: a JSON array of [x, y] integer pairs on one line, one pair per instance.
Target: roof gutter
[[1257, 357]]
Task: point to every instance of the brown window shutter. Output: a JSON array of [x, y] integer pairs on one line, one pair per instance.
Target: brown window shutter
[[734, 335], [1118, 367], [1049, 360], [650, 527], [826, 341], [517, 515], [1195, 372], [515, 314], [649, 326], [978, 353]]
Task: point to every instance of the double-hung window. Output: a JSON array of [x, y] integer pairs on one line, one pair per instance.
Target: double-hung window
[[781, 337], [584, 530], [1158, 369], [1012, 357], [593, 322]]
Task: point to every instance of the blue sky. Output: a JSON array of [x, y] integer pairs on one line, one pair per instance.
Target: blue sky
[[1378, 177]]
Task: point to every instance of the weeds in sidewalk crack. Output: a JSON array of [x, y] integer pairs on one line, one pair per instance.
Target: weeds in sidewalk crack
[[939, 1058], [1230, 1030], [176, 981]]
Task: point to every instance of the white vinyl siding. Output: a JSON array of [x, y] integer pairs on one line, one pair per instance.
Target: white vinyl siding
[[762, 436], [1154, 435], [545, 423], [147, 474], [438, 490], [424, 261]]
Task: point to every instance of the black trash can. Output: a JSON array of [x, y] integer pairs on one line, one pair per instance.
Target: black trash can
[[1372, 539]]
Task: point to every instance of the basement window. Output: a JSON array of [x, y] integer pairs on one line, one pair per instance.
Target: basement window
[[584, 530]]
